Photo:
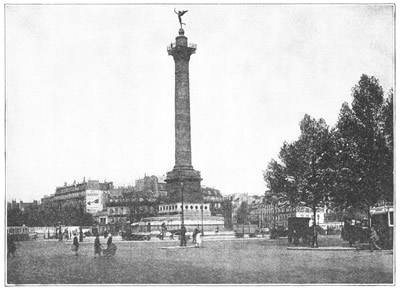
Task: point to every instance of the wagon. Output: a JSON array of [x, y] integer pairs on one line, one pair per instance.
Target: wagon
[[248, 230], [136, 236], [298, 228]]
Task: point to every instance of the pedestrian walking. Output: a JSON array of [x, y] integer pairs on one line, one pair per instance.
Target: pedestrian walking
[[163, 231], [80, 234], [60, 234], [75, 245], [11, 248], [296, 239], [374, 238], [97, 246], [199, 240], [183, 236], [194, 235], [109, 241]]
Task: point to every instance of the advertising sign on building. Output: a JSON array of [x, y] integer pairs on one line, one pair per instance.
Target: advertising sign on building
[[94, 201]]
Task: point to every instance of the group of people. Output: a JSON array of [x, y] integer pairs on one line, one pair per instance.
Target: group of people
[[197, 239], [196, 236], [97, 245]]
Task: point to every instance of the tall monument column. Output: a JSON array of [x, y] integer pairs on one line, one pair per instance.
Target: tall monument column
[[183, 178], [181, 53], [184, 205]]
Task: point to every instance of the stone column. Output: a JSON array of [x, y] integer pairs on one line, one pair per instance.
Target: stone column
[[183, 170], [181, 53]]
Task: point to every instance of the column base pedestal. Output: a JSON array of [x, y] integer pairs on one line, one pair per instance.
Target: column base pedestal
[[190, 179]]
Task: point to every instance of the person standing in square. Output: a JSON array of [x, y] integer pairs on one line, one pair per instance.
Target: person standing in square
[[183, 236]]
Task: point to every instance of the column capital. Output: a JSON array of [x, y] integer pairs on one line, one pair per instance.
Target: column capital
[[180, 52]]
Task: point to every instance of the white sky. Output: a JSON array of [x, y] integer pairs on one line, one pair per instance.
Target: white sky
[[90, 88]]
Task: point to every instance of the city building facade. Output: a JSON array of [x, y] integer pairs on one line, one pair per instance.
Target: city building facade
[[255, 208], [154, 184], [124, 206], [22, 205], [278, 214], [91, 195]]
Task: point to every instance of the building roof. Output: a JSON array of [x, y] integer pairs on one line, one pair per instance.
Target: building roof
[[85, 185], [211, 194]]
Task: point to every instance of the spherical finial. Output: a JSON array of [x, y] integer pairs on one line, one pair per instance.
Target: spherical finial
[[181, 32]]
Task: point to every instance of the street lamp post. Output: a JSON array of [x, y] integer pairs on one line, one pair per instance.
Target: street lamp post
[[183, 219], [315, 233], [262, 218], [202, 226], [183, 232]]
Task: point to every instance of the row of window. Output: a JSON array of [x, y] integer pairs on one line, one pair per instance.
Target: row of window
[[117, 219], [116, 210], [285, 217], [279, 210], [125, 210], [174, 207], [120, 200], [69, 196]]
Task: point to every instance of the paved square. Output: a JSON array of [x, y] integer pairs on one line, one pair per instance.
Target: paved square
[[236, 261]]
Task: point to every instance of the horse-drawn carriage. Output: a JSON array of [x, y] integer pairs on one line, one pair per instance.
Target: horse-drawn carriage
[[299, 229], [355, 231]]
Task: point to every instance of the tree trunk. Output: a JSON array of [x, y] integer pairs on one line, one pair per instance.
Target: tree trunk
[[369, 215], [315, 234]]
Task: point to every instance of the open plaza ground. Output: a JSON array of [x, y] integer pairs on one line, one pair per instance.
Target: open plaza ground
[[220, 261]]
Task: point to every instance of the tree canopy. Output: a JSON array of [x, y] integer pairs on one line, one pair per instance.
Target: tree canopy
[[364, 139], [349, 165]]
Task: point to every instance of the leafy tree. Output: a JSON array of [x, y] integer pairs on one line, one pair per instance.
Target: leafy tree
[[242, 213], [50, 214], [387, 130], [306, 175], [276, 178], [345, 134], [349, 167], [87, 219], [31, 216], [310, 163], [364, 142], [15, 217]]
